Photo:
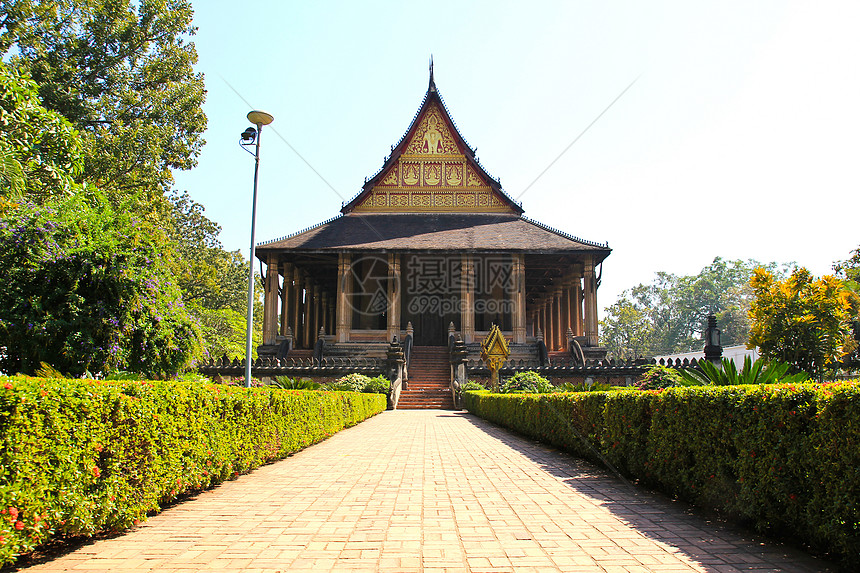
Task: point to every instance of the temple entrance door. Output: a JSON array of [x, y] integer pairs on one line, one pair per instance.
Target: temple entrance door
[[431, 296], [430, 330]]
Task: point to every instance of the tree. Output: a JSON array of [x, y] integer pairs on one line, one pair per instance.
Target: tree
[[40, 151], [627, 332], [849, 270], [801, 320], [670, 314], [121, 72], [214, 282], [87, 288], [208, 275]]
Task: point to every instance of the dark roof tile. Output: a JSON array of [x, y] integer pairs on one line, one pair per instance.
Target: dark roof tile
[[433, 231]]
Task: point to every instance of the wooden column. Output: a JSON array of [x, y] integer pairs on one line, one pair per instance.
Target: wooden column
[[296, 308], [547, 324], [556, 319], [344, 290], [467, 298], [270, 301], [542, 318], [550, 323], [324, 312], [518, 295], [317, 311], [331, 323], [565, 311], [286, 297], [308, 308], [574, 304], [590, 287], [393, 296]]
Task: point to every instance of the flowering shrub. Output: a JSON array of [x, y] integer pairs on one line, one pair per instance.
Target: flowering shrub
[[82, 456], [528, 382], [378, 385], [89, 289], [782, 457], [657, 377], [361, 383]]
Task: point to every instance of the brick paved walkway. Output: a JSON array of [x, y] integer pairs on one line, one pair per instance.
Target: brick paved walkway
[[429, 491]]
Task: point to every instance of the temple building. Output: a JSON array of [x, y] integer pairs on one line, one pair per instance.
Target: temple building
[[431, 246]]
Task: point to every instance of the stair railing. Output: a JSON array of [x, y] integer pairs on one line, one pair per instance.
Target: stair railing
[[407, 354], [458, 356]]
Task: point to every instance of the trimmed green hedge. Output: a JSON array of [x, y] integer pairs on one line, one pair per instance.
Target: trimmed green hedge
[[83, 456], [784, 458]]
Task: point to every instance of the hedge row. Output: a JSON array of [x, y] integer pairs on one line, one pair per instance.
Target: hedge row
[[83, 456], [785, 459]]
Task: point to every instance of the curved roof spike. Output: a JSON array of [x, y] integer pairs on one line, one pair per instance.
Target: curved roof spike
[[432, 85]]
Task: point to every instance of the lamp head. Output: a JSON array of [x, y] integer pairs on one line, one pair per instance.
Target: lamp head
[[249, 136], [259, 118]]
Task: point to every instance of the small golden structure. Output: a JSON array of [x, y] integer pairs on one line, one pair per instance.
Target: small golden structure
[[494, 352]]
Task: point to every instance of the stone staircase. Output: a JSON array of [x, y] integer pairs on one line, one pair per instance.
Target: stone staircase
[[429, 380]]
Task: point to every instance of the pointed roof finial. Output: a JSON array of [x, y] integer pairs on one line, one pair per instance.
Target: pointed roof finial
[[432, 86]]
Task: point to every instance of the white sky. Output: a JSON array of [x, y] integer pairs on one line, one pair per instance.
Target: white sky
[[740, 138]]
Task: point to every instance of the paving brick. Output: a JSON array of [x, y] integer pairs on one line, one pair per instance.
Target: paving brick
[[429, 491]]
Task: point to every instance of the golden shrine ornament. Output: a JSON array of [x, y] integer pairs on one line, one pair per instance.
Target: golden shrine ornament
[[494, 353]]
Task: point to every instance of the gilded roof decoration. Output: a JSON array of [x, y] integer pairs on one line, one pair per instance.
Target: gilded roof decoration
[[432, 170], [432, 136]]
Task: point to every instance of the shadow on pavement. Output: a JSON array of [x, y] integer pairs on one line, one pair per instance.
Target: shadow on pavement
[[713, 544]]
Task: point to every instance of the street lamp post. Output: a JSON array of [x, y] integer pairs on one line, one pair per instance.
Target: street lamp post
[[249, 137]]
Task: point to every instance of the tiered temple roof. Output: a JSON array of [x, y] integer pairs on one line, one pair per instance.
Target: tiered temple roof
[[433, 194]]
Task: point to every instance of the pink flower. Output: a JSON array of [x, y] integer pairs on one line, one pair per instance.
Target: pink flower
[[19, 525], [97, 472], [8, 385]]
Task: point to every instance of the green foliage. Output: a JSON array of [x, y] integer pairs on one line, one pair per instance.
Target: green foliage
[[474, 386], [349, 383], [122, 73], [79, 456], [287, 383], [223, 331], [214, 282], [377, 385], [849, 270], [209, 276], [657, 377], [114, 103], [801, 320], [41, 154], [670, 314], [88, 289], [728, 375], [583, 387], [782, 457], [627, 331], [361, 383], [527, 382], [121, 375]]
